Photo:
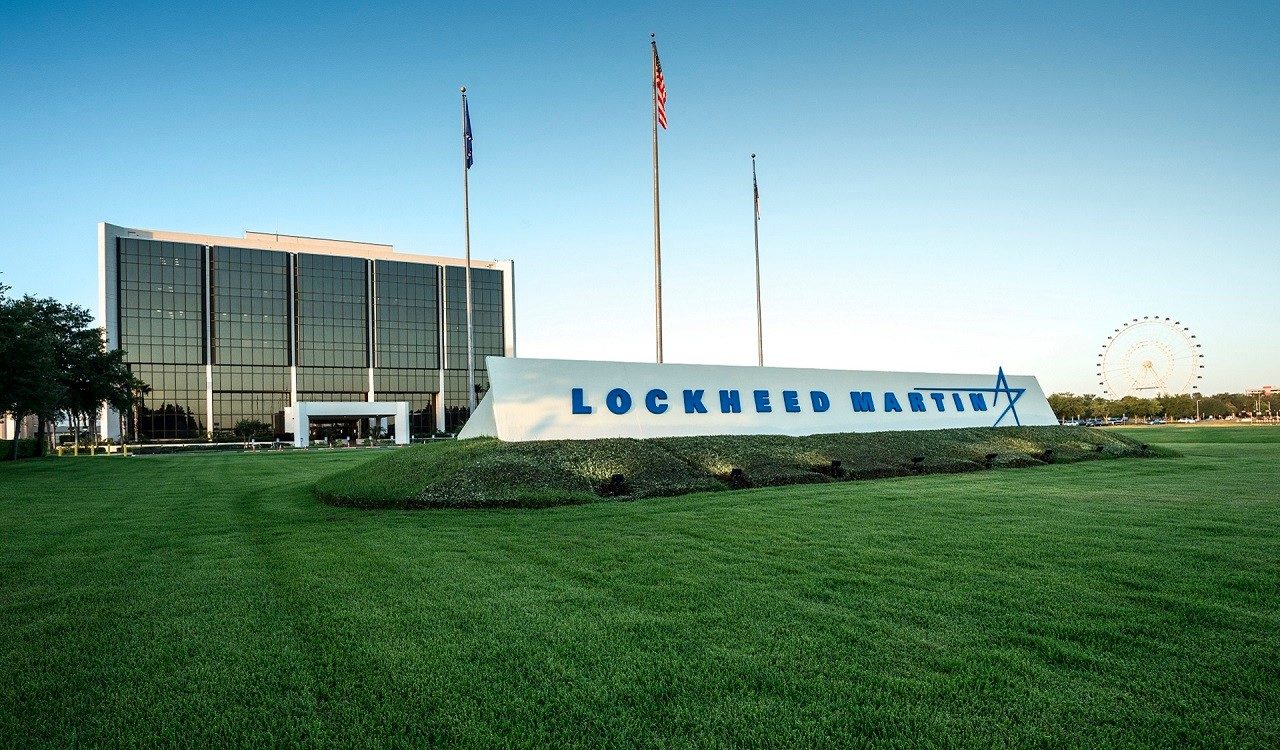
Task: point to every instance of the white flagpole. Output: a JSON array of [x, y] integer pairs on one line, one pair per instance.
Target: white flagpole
[[466, 228], [657, 214], [755, 211]]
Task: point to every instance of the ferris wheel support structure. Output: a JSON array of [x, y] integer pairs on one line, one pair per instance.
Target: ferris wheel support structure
[[1149, 357]]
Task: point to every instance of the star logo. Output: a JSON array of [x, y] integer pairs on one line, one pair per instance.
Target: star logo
[[1001, 388], [1011, 397]]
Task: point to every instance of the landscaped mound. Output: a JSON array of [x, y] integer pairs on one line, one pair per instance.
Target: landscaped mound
[[487, 473]]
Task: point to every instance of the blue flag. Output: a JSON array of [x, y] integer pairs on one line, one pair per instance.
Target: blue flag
[[466, 131]]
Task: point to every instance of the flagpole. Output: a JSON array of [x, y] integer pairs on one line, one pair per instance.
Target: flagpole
[[466, 230], [755, 199], [657, 214]]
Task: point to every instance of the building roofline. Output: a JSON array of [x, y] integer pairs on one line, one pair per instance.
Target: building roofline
[[279, 237], [299, 244]]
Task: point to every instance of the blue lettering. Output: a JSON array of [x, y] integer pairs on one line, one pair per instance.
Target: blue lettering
[[693, 402], [791, 401], [820, 401], [863, 401], [959, 402], [653, 401], [891, 402], [730, 402], [762, 401], [618, 401], [938, 398], [979, 403], [579, 402], [916, 400]]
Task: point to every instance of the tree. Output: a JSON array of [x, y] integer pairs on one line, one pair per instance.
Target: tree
[[248, 429], [95, 376], [51, 363], [127, 398], [1068, 405], [1216, 406], [35, 331], [1179, 407]]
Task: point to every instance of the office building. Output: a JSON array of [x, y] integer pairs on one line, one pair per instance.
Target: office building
[[227, 330]]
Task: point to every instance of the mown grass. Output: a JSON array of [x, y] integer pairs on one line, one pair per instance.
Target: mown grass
[[486, 473], [1201, 434], [203, 601]]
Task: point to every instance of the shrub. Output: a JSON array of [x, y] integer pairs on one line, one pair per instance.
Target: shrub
[[26, 448], [487, 473]]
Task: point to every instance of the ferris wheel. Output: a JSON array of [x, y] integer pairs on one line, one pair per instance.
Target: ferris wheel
[[1149, 357]]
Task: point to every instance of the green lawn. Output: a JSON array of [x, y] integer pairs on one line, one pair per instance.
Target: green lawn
[[211, 601]]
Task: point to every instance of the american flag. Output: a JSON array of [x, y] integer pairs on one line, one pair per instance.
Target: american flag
[[660, 88]]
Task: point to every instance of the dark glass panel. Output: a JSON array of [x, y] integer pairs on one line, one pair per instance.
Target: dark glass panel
[[332, 311], [487, 327], [333, 384], [161, 301], [249, 294], [486, 316], [174, 408], [408, 315], [422, 411], [248, 392]]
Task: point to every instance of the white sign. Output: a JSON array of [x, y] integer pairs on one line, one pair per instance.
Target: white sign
[[551, 399]]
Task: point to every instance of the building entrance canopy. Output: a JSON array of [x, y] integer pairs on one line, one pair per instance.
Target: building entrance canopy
[[297, 419]]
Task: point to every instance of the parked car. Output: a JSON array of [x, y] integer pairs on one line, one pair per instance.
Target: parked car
[[1187, 420]]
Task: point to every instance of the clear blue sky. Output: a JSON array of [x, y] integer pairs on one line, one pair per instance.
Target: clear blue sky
[[942, 189]]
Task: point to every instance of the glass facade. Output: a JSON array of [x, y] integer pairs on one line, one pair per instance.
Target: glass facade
[[249, 296], [333, 304], [408, 315], [487, 326], [231, 330], [246, 393], [333, 328], [407, 338], [161, 307]]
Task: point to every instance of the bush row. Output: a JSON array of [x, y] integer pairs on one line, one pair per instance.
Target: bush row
[[486, 473], [26, 448]]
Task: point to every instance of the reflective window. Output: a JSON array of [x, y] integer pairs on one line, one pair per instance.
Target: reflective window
[[455, 401], [487, 327], [174, 407], [243, 392], [486, 315], [333, 297], [422, 411], [161, 301], [162, 326], [333, 384], [407, 315], [161, 329], [249, 293]]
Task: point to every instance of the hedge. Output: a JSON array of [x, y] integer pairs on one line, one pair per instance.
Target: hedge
[[26, 448], [487, 473]]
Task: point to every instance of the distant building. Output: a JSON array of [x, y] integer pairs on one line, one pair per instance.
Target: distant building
[[226, 329], [11, 429]]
